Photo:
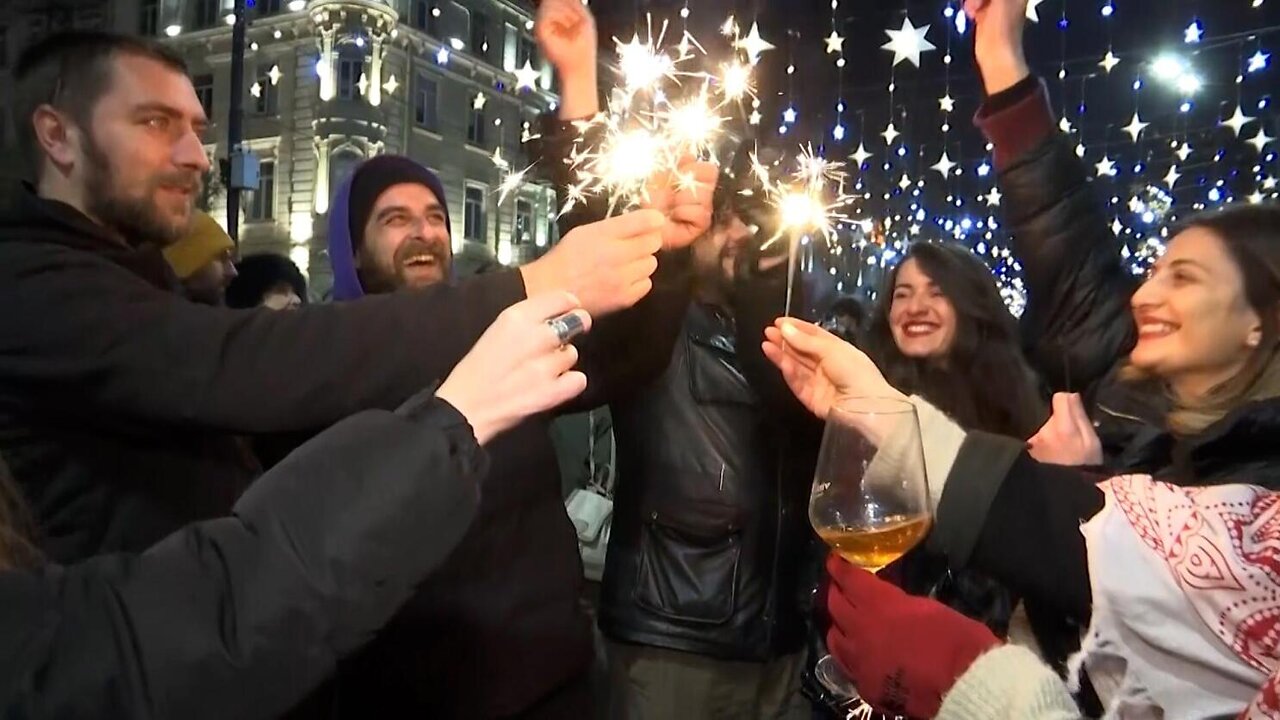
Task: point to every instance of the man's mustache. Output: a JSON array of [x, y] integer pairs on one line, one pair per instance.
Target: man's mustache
[[413, 248]]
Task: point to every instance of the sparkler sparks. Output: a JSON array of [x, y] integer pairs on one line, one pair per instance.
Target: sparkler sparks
[[656, 118]]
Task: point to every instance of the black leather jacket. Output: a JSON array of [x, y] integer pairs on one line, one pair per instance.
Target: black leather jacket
[[710, 512]]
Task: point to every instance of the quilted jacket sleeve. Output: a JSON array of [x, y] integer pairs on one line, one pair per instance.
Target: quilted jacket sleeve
[[1077, 324]]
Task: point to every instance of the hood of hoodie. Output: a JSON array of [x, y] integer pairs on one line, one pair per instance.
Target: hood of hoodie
[[26, 218], [346, 282]]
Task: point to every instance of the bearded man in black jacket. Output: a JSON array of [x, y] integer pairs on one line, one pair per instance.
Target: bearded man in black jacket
[[119, 398]]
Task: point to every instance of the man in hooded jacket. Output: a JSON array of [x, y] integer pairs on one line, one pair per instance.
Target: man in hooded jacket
[[502, 614]]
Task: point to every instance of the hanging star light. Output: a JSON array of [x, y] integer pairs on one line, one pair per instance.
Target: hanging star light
[[1116, 226], [1260, 140], [993, 197], [527, 77], [1033, 10], [890, 134], [1080, 151], [391, 84], [755, 117], [498, 160], [835, 43], [1269, 184], [1237, 121], [1259, 61], [1135, 127], [947, 103], [1109, 62], [944, 165], [789, 116], [1193, 33], [905, 182], [908, 43], [1065, 125], [860, 156], [363, 84], [1106, 167], [753, 45], [1172, 178], [274, 74], [1184, 152], [256, 90], [477, 103]]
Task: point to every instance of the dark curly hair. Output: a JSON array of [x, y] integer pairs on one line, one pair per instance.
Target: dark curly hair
[[985, 355]]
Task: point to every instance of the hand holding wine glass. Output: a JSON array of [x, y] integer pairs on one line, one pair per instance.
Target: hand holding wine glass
[[870, 499]]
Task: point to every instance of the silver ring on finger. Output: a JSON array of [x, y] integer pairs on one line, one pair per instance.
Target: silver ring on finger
[[567, 327]]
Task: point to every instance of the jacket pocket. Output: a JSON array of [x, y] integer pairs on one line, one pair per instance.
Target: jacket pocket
[[688, 569]]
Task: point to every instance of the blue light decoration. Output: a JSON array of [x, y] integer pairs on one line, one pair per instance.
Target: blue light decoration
[[442, 57], [1108, 9], [1186, 106], [1215, 195], [1194, 32], [838, 132], [984, 169], [1259, 61]]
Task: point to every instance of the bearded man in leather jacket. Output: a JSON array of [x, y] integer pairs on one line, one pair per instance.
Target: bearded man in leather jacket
[[701, 599]]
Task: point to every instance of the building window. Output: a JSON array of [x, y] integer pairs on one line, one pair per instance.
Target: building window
[[524, 222], [475, 127], [480, 34], [149, 20], [267, 7], [524, 52], [267, 101], [464, 23], [426, 103], [264, 198], [207, 12], [473, 212], [204, 91], [349, 71], [426, 17]]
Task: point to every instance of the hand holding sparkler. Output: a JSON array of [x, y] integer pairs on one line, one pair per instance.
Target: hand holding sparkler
[[607, 264], [683, 195], [566, 34]]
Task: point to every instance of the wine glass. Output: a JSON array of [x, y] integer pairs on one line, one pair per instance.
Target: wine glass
[[870, 499]]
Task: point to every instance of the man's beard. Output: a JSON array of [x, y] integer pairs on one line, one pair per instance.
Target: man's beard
[[139, 220], [377, 280]]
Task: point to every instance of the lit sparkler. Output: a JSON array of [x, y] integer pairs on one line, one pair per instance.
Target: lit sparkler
[[656, 118]]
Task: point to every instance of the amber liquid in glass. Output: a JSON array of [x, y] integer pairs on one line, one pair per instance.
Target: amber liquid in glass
[[873, 549]]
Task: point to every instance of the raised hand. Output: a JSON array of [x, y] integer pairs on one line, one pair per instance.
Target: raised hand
[[607, 265], [517, 368], [1068, 438], [566, 33], [684, 197], [998, 41], [820, 367]]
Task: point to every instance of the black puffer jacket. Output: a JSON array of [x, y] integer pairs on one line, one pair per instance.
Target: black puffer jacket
[[715, 465], [1077, 326]]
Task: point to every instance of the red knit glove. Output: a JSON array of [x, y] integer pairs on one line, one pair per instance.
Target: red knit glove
[[903, 653]]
